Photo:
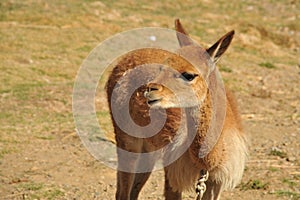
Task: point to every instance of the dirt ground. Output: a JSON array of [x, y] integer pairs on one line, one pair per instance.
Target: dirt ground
[[43, 43]]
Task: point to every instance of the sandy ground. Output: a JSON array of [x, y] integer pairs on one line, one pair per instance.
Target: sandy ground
[[43, 44]]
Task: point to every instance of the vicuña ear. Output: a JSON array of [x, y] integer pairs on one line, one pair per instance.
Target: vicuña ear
[[216, 50], [182, 35]]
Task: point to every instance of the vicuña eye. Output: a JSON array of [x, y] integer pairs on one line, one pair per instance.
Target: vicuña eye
[[188, 76]]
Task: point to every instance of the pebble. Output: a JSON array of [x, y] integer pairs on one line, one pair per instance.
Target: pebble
[[291, 159]]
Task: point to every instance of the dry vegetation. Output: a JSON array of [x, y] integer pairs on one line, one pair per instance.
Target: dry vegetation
[[42, 44]]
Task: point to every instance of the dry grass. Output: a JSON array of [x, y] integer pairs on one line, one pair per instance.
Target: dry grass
[[42, 44]]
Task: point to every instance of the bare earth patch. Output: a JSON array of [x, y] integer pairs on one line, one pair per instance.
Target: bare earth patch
[[44, 42]]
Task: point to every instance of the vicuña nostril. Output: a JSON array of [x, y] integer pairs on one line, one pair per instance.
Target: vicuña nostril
[[154, 87]]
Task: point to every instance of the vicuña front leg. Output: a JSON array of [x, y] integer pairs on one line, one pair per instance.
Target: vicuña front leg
[[127, 163], [213, 191], [169, 193], [141, 178], [139, 181], [124, 185]]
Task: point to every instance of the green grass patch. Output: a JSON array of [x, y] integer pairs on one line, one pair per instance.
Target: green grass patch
[[267, 65], [4, 152], [279, 153], [297, 177], [273, 169], [289, 182], [5, 115], [24, 91], [225, 69], [7, 146], [32, 186], [254, 185], [50, 137], [40, 191], [85, 48], [52, 194], [286, 193]]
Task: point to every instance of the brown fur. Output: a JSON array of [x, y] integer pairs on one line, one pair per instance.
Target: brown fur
[[225, 162]]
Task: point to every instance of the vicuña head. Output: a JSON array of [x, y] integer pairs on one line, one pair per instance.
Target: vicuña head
[[182, 81]]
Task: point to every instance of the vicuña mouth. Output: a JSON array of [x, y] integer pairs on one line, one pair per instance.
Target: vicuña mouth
[[152, 102]]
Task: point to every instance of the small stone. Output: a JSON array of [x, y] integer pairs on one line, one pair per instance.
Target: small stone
[[291, 159], [34, 168]]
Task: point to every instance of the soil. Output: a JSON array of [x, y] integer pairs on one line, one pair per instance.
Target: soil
[[43, 44]]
